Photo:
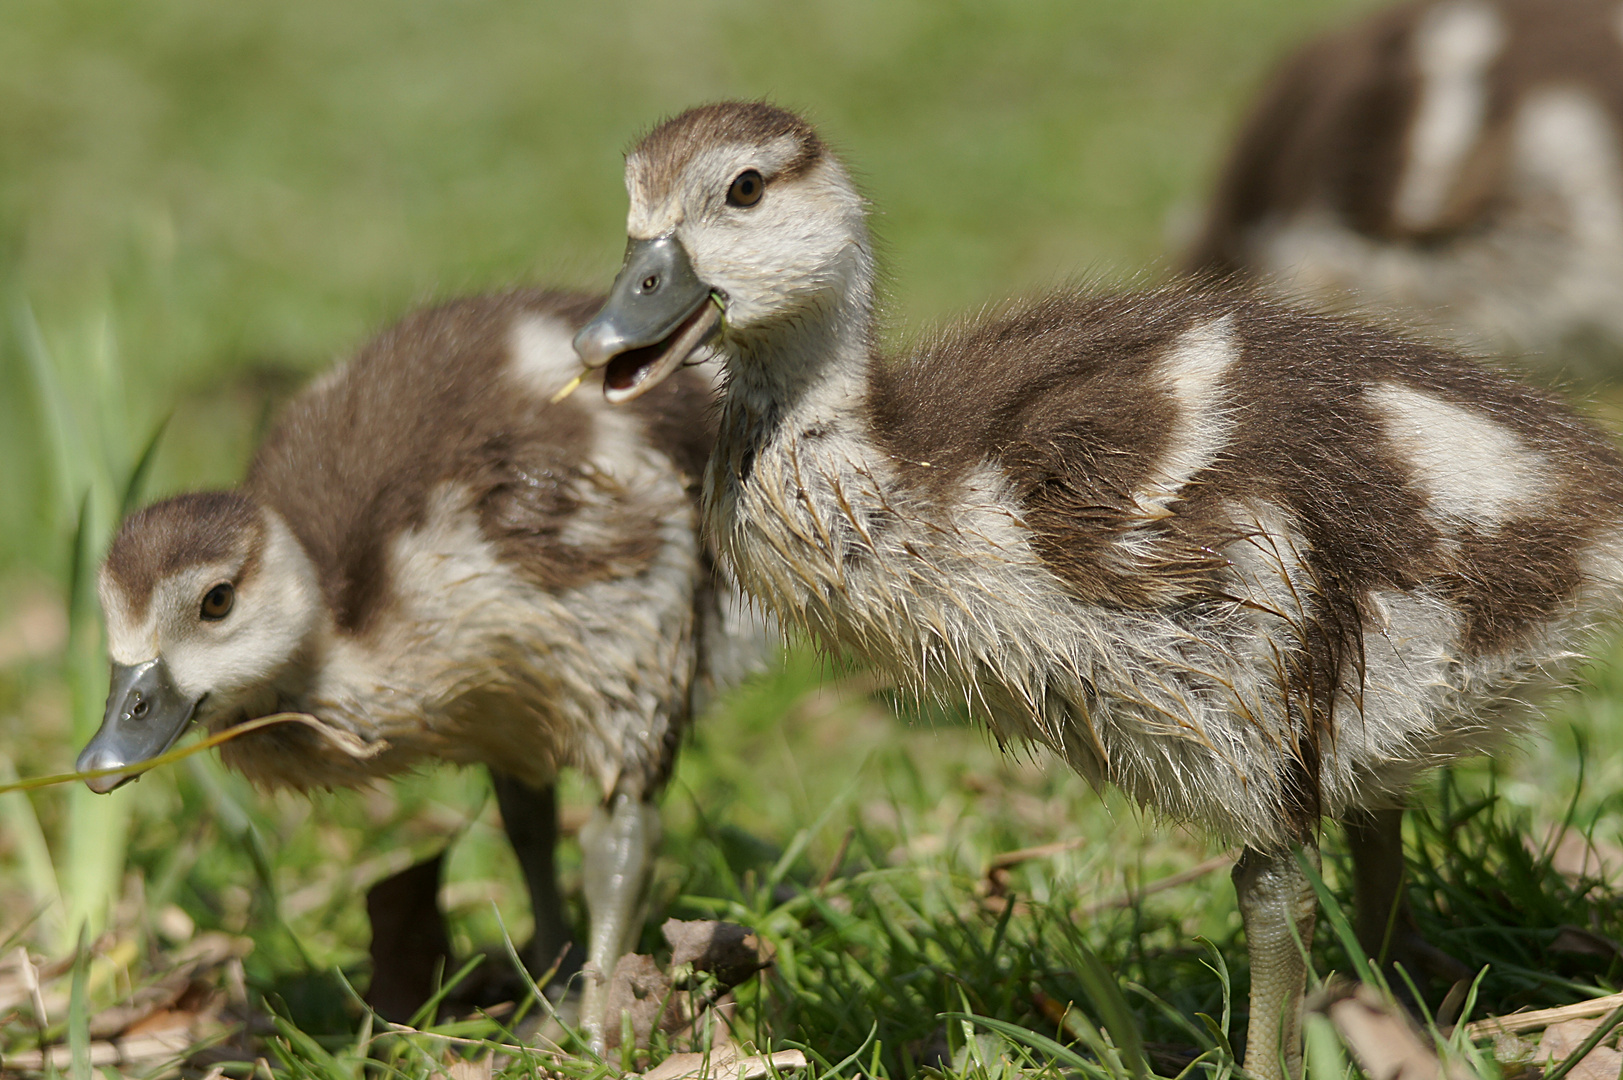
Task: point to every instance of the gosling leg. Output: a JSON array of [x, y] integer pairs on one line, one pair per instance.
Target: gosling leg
[[530, 816], [617, 855], [1381, 916], [1275, 898]]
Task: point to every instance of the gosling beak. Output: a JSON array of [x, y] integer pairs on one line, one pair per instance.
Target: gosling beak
[[146, 714], [657, 315]]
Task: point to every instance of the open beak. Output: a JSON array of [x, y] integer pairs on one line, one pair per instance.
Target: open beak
[[657, 315], [145, 716]]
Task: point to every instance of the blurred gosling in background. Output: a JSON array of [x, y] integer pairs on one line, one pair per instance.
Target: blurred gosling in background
[[1458, 163]]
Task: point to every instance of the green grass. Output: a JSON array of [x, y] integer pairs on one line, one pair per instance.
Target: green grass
[[201, 204]]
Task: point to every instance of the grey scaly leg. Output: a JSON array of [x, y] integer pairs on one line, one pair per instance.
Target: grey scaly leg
[[617, 856], [1275, 898], [530, 816], [1375, 841]]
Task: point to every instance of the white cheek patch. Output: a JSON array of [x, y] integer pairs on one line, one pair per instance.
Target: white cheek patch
[[1193, 370], [806, 241], [275, 612], [1454, 45], [1469, 468], [541, 354]]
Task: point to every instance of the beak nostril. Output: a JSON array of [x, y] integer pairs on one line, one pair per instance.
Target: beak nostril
[[139, 709], [650, 283]]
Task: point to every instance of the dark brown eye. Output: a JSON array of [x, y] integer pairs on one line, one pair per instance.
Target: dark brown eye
[[218, 600], [746, 189]]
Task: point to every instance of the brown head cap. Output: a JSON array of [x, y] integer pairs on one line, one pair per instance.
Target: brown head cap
[[168, 536]]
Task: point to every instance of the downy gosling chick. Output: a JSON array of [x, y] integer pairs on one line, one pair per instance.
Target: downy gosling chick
[[1253, 566], [430, 556], [1456, 162]]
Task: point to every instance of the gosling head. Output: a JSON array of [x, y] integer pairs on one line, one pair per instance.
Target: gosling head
[[740, 219], [208, 599]]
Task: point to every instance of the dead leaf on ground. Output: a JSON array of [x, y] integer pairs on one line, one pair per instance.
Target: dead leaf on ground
[[1537, 1019], [1381, 1036], [1575, 939], [117, 1053], [170, 1003], [1562, 1040], [730, 952], [723, 1063], [1577, 856], [480, 1069], [641, 996]]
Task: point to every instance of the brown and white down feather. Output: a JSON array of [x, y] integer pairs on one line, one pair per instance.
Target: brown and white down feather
[[502, 580], [1457, 162], [1251, 566]]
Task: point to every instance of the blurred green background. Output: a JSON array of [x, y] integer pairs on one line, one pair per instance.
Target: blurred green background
[[245, 188], [203, 203]]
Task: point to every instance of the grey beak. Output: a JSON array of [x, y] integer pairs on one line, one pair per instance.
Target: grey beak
[[145, 716], [657, 314]]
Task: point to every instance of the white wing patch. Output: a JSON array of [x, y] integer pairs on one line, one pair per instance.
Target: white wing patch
[[1567, 143], [1471, 469], [542, 353], [1193, 369], [1454, 44]]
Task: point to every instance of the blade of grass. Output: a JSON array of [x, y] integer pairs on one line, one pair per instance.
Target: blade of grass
[[134, 486], [96, 830], [1339, 924], [33, 853], [79, 1012], [1104, 994], [1037, 1041]]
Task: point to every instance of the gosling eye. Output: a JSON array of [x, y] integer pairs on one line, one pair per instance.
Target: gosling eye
[[746, 189], [217, 602]]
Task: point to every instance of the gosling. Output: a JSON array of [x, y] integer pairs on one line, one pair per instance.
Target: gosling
[[1255, 567], [1458, 163], [432, 559]]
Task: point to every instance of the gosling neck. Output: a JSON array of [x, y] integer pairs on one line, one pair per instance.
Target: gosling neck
[[815, 356]]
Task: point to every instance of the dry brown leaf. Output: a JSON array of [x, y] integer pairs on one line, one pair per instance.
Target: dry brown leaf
[[479, 1069], [1385, 1041], [723, 1063], [1562, 1040], [1575, 939], [640, 991], [143, 1049], [1577, 856], [730, 952], [1536, 1019], [175, 996]]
